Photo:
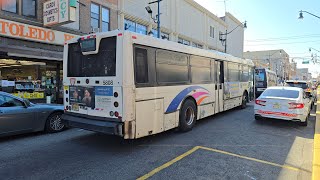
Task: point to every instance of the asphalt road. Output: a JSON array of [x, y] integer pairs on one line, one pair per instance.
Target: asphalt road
[[230, 145]]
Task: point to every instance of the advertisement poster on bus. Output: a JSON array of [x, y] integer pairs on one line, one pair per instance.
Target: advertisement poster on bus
[[232, 89], [82, 97], [103, 96]]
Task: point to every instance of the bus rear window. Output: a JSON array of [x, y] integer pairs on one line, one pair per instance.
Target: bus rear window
[[260, 75], [93, 65]]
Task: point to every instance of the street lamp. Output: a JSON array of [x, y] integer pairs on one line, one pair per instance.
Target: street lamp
[[224, 40], [155, 19], [301, 14], [269, 59]]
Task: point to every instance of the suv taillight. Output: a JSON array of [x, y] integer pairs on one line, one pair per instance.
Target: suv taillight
[[296, 105], [260, 102]]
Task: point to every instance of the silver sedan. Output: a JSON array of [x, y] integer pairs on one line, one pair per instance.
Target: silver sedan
[[19, 116]]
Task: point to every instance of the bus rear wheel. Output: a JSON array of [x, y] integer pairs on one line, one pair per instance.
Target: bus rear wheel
[[188, 116]]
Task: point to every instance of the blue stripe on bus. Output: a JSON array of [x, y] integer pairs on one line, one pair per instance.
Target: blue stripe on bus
[[180, 97]]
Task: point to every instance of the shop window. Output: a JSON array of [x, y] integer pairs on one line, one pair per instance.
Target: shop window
[[105, 19], [10, 5], [29, 8]]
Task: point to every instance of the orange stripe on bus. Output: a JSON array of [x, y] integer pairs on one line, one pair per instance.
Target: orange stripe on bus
[[201, 99]]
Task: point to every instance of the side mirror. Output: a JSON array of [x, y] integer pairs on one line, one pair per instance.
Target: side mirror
[[26, 103]]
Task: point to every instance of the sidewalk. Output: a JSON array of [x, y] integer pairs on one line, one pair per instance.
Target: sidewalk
[[316, 145]]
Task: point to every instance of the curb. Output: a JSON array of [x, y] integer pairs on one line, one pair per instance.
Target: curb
[[316, 142]]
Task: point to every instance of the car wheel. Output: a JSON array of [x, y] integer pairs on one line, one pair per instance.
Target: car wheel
[[54, 123], [257, 118], [305, 123], [244, 101], [188, 116]]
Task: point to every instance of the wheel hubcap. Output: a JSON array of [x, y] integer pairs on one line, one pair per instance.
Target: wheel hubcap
[[55, 123], [189, 116]]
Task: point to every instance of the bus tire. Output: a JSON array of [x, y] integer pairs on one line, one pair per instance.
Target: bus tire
[[187, 116], [244, 101]]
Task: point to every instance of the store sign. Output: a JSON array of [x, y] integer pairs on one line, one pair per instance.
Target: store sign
[[57, 12], [27, 95], [33, 33]]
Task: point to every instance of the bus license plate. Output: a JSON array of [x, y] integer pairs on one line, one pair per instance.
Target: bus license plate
[[276, 106], [75, 107]]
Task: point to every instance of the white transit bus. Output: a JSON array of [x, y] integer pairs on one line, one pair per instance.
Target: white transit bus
[[264, 78], [133, 85]]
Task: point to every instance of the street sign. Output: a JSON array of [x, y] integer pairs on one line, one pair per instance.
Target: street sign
[[305, 62]]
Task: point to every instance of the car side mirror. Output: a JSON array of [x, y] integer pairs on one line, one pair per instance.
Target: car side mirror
[[26, 103]]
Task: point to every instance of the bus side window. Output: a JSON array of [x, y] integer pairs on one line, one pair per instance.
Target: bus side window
[[141, 66]]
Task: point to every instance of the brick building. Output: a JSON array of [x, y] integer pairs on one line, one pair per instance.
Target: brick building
[[31, 54]]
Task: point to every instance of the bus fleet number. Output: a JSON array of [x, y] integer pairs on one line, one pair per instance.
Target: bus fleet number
[[108, 82]]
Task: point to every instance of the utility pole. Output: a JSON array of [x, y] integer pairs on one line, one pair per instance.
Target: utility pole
[[157, 18]]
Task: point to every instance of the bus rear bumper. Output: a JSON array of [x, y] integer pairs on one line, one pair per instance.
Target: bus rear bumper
[[106, 127]]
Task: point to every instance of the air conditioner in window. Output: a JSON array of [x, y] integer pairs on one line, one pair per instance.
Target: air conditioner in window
[[95, 30]]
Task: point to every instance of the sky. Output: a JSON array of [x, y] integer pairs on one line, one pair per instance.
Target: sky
[[274, 24]]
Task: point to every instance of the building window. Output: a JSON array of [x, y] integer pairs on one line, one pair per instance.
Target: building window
[[211, 31], [105, 19], [10, 5], [100, 18], [197, 45], [141, 29], [183, 41], [135, 27], [163, 35], [129, 25], [95, 18], [29, 8]]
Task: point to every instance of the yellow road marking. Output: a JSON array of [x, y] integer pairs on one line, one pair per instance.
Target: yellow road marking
[[316, 157], [251, 159], [156, 170]]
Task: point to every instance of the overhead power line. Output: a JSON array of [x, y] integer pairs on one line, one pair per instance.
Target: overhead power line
[[285, 38], [281, 43]]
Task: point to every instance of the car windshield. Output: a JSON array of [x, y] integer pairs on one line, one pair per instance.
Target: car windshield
[[299, 85], [282, 93]]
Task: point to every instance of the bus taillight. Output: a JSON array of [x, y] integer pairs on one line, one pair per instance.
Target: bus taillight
[[116, 104], [116, 114]]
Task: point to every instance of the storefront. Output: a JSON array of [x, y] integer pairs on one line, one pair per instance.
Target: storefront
[[31, 61]]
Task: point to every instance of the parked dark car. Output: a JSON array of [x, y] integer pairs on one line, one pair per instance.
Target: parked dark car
[[18, 115]]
